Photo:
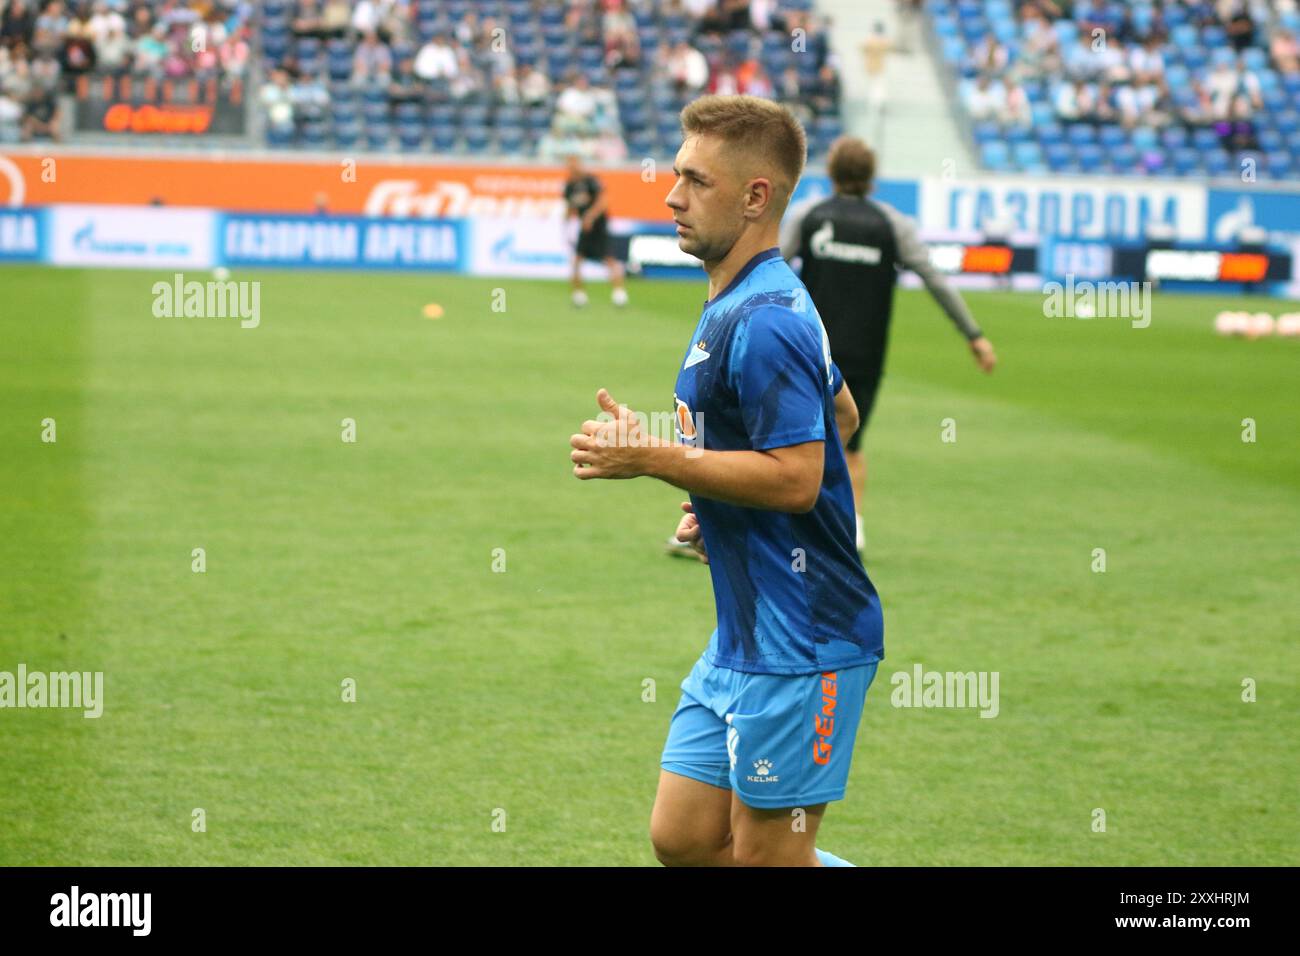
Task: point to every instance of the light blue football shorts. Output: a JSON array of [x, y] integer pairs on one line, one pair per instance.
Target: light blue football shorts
[[776, 740]]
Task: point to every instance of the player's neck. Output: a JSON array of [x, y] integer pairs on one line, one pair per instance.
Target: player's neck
[[751, 243]]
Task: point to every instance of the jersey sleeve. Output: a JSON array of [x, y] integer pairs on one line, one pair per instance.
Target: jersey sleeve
[[780, 374], [837, 379]]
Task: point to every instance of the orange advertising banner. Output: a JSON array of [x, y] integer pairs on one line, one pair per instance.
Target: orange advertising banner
[[357, 186]]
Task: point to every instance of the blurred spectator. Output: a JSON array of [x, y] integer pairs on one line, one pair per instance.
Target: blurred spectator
[[436, 60], [1103, 107], [40, 115], [11, 114], [825, 94], [1240, 26], [909, 24], [45, 72], [405, 86], [875, 52], [1197, 108], [986, 99], [50, 28], [575, 108], [1146, 63], [686, 67], [1072, 101], [334, 18], [622, 48], [17, 23], [1040, 54], [307, 19], [468, 29], [372, 61], [469, 82], [365, 17], [113, 50], [1225, 82], [103, 20], [1285, 51], [150, 51], [234, 52], [1141, 104], [534, 86], [1238, 132], [78, 51], [277, 101], [1016, 108], [990, 56], [758, 83], [309, 98], [507, 88]]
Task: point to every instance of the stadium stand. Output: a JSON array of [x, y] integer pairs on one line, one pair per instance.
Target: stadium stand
[[146, 51], [542, 78], [519, 77], [1187, 88]]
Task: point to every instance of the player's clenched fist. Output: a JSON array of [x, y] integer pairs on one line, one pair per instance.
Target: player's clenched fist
[[609, 449], [689, 532]]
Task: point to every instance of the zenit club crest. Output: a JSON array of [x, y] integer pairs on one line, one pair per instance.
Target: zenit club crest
[[686, 430]]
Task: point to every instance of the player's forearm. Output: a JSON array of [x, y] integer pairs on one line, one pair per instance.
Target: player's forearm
[[951, 302], [750, 479], [847, 423]]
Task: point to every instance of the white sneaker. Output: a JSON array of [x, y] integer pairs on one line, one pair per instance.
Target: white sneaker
[[862, 538], [619, 297], [681, 549], [579, 298]]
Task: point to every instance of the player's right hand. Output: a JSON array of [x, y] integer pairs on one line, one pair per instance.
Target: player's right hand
[[688, 531], [985, 357]]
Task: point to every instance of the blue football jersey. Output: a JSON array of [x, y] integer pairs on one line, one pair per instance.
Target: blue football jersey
[[792, 595]]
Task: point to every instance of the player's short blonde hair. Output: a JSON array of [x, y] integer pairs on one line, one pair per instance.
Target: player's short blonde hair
[[851, 165], [753, 127]]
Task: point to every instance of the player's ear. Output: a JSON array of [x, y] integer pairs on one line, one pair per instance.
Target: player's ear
[[758, 198]]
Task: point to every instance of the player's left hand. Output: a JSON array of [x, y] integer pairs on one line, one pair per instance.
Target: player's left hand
[[982, 349], [609, 449]]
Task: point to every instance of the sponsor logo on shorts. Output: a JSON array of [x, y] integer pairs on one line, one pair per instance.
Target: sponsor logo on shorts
[[824, 722], [763, 773]]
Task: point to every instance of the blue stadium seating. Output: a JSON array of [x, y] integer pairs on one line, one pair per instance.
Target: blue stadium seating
[[1191, 48]]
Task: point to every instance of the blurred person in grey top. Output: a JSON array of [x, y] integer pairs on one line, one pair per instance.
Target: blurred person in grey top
[[848, 250]]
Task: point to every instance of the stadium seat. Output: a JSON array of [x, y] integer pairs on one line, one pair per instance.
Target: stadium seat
[[1205, 138], [410, 137], [1279, 164], [1185, 160], [1111, 135], [1081, 133], [1027, 155], [347, 135], [444, 138], [1144, 137], [1049, 133], [1217, 163], [279, 138], [1090, 157], [995, 156], [1173, 137], [510, 139]]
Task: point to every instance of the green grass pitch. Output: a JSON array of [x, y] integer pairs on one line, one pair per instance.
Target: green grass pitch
[[521, 691]]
